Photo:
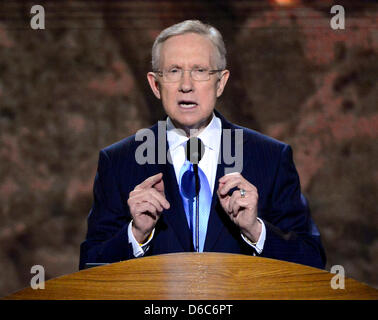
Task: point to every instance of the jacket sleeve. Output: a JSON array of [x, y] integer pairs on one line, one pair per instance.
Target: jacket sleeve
[[108, 220], [291, 234]]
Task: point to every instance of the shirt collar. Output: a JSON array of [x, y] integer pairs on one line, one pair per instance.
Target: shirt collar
[[208, 135]]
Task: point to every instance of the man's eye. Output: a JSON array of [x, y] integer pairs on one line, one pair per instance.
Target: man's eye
[[200, 70], [173, 70]]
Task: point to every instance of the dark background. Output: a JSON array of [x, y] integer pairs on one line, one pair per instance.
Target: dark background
[[80, 85]]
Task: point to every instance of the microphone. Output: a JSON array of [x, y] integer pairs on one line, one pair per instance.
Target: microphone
[[194, 150], [194, 153]]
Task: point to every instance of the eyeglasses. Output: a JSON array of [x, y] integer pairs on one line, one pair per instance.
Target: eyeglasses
[[175, 74]]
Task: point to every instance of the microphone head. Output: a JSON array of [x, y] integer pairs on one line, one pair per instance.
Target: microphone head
[[194, 150]]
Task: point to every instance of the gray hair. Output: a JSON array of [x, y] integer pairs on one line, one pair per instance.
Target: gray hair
[[190, 26]]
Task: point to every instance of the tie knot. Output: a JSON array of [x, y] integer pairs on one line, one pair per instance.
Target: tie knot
[[188, 183]]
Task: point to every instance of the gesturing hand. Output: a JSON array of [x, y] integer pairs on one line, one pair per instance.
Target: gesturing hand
[[241, 210], [146, 202]]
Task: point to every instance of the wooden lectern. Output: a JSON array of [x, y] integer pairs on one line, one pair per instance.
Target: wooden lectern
[[198, 276]]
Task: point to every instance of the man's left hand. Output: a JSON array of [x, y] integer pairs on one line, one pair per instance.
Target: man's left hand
[[241, 210]]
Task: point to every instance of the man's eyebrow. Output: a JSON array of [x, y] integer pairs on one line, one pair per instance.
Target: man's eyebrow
[[174, 66], [199, 66]]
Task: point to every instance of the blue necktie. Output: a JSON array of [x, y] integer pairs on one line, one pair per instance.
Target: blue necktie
[[188, 196]]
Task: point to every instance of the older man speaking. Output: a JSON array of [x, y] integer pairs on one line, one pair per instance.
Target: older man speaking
[[194, 202]]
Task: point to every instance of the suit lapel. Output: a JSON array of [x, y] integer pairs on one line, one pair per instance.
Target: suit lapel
[[175, 216], [215, 224], [217, 215]]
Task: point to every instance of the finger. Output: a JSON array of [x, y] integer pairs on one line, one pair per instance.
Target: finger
[[150, 181], [238, 205], [156, 203], [226, 183], [229, 176], [159, 186], [233, 206], [220, 186], [233, 199], [141, 195], [222, 197], [223, 200], [235, 182], [151, 196], [160, 198], [146, 207]]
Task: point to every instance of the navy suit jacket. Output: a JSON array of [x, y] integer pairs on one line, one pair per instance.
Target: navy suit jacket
[[291, 234]]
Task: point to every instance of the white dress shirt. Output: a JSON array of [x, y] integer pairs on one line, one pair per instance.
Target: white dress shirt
[[211, 138]]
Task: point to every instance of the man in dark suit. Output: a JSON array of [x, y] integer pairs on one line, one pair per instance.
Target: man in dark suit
[[143, 208]]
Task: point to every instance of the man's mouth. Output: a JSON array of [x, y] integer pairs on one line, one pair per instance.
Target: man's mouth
[[187, 104]]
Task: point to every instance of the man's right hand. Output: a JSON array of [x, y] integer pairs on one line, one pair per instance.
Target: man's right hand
[[146, 202]]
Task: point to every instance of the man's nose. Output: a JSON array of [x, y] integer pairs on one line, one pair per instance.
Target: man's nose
[[186, 82]]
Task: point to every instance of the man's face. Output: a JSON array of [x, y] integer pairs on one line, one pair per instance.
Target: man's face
[[188, 103]]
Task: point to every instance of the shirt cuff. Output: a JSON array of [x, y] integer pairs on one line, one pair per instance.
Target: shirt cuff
[[138, 249], [259, 245]]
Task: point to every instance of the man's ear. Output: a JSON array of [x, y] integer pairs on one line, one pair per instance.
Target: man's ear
[[154, 84], [222, 82]]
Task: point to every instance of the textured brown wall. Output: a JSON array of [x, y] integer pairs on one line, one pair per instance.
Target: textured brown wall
[[80, 85]]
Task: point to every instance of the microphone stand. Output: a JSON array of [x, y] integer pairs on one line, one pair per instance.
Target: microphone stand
[[194, 153], [195, 169]]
